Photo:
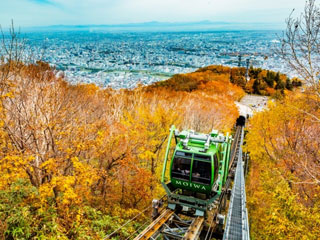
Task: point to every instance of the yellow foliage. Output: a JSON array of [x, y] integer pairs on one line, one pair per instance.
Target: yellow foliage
[[80, 146], [282, 196]]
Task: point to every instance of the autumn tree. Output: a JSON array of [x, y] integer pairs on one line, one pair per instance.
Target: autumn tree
[[283, 184], [300, 44], [283, 188], [12, 54]]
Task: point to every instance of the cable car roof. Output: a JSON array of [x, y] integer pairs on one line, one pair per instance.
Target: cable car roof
[[199, 143]]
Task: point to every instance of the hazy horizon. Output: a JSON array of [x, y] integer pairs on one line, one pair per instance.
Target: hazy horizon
[[200, 26], [40, 13]]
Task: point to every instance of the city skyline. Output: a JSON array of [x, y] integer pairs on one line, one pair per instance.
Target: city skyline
[[30, 13]]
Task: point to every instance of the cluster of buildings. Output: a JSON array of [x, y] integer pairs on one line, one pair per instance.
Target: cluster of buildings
[[123, 59]]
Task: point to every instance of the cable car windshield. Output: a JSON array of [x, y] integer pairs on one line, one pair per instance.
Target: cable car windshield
[[181, 165], [201, 171]]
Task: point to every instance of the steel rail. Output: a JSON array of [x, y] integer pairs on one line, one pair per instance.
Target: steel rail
[[155, 225], [194, 229]]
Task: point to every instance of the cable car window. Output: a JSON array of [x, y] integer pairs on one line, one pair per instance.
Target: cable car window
[[181, 167], [202, 157], [216, 167], [183, 154], [201, 172]]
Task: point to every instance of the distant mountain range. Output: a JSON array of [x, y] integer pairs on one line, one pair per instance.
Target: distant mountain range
[[164, 26]]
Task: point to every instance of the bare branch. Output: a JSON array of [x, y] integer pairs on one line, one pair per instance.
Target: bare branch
[[300, 44]]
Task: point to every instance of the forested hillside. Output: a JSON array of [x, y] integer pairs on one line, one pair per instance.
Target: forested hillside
[[77, 161], [261, 82], [283, 190]]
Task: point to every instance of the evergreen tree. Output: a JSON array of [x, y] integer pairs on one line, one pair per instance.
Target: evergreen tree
[[277, 78], [256, 86], [289, 85], [269, 79]]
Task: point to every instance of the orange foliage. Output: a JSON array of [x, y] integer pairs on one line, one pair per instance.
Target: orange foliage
[[82, 146], [263, 82]]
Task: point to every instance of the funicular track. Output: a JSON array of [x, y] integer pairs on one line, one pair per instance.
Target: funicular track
[[172, 225], [237, 226]]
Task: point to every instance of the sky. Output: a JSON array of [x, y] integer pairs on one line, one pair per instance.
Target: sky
[[28, 13]]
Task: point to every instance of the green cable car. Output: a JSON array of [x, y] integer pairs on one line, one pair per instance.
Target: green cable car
[[199, 167]]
